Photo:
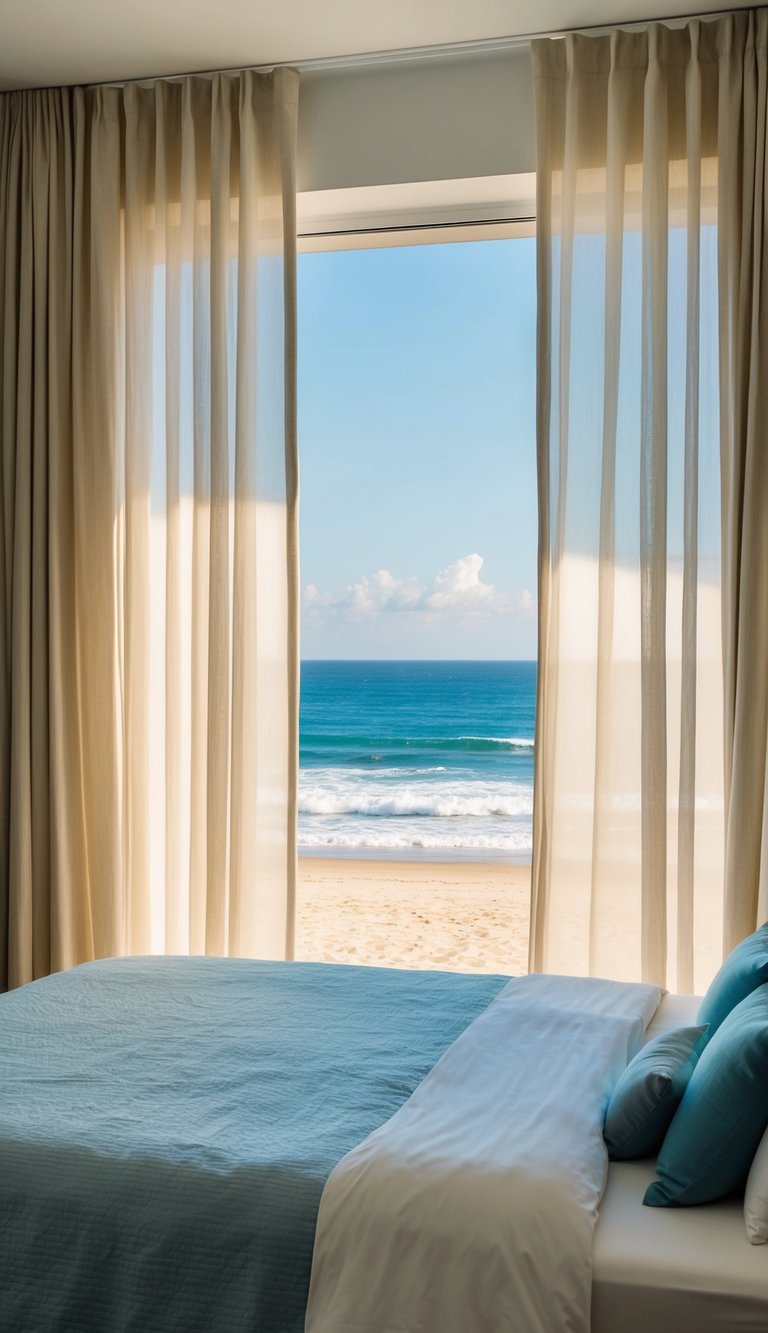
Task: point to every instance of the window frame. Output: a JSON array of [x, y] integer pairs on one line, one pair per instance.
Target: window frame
[[417, 213]]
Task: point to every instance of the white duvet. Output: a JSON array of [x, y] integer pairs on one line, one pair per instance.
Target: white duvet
[[472, 1210]]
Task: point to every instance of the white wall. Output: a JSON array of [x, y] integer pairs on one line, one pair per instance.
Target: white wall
[[422, 119]]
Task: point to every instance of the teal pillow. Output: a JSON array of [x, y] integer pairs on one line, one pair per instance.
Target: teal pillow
[[649, 1092], [742, 972], [716, 1129]]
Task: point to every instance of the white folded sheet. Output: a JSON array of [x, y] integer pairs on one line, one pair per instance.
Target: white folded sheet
[[474, 1207]]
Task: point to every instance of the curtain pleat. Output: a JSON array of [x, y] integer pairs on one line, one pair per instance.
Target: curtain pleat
[[653, 560], [653, 521], [149, 487], [686, 826], [744, 427], [606, 720]]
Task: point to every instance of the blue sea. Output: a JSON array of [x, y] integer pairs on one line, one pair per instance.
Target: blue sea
[[417, 759]]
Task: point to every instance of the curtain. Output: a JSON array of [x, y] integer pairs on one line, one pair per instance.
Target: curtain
[[148, 733], [744, 426], [653, 522]]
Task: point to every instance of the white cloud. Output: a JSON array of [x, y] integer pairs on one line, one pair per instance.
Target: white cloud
[[459, 589], [461, 585]]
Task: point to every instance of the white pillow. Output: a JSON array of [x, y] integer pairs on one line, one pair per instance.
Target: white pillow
[[756, 1195]]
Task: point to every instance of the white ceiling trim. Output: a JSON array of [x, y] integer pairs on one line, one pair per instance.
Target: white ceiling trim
[[490, 45], [46, 43], [440, 51]]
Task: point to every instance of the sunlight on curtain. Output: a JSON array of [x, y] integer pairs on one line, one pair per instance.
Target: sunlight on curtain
[[170, 530], [206, 515], [628, 823]]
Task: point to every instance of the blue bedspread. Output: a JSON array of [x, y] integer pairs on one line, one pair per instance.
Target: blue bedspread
[[167, 1126]]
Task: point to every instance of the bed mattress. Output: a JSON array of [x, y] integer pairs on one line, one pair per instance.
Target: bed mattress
[[658, 1270]]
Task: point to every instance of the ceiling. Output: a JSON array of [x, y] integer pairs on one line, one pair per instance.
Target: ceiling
[[47, 42]]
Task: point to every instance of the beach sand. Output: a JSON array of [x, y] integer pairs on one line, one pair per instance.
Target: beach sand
[[458, 916]]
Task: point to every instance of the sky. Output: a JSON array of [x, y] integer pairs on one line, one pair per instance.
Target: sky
[[417, 451]]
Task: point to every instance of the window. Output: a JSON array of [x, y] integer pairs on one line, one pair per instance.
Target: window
[[419, 533]]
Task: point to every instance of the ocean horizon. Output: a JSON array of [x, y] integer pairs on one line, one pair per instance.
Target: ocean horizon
[[414, 759]]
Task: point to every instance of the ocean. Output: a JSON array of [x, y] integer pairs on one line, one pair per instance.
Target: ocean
[[417, 759]]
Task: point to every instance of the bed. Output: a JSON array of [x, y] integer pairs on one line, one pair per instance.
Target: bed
[[168, 1128], [669, 1270]]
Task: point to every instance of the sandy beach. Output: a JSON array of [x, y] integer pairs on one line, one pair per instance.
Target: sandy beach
[[459, 916]]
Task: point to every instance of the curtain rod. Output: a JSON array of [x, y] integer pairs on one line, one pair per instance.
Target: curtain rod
[[397, 55]]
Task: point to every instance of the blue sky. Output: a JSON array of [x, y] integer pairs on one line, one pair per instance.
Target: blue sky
[[417, 444]]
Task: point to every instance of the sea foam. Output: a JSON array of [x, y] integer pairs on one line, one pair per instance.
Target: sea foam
[[331, 793], [509, 842]]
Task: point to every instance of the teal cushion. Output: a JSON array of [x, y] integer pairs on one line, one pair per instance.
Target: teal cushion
[[649, 1092], [716, 1129], [742, 972]]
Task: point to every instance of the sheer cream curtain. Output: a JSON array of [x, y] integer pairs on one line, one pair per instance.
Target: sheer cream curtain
[[148, 512], [650, 245]]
